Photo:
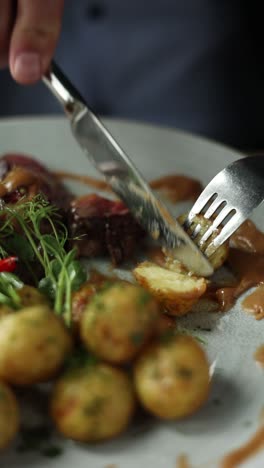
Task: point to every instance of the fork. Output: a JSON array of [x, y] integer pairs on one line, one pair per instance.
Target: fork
[[227, 201]]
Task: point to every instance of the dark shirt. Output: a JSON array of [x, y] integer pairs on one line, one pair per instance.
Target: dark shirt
[[191, 64]]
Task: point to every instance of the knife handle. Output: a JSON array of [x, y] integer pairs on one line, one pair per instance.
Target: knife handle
[[63, 90]]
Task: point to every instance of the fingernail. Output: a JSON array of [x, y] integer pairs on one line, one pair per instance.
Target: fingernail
[[27, 66]]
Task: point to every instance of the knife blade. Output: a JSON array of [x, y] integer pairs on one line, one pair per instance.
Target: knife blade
[[124, 178]]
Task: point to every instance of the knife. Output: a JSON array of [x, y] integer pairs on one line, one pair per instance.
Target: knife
[[123, 177]]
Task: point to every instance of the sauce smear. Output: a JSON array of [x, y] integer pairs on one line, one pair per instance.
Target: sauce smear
[[177, 187], [16, 178], [259, 358], [249, 270], [182, 462], [248, 238], [155, 254], [254, 303], [240, 455], [86, 180]]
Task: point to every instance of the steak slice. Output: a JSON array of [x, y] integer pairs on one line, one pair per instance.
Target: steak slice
[[102, 227]]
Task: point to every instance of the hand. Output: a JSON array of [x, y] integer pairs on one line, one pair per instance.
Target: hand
[[29, 30]]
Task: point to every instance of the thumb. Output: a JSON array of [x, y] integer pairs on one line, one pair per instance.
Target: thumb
[[34, 38]]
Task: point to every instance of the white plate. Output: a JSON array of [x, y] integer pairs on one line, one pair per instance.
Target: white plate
[[237, 381]]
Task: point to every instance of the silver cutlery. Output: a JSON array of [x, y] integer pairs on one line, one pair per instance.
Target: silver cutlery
[[124, 178], [227, 201]]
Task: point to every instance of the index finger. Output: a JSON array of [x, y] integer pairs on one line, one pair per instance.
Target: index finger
[[34, 38]]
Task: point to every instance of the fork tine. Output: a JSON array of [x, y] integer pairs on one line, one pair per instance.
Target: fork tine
[[213, 207], [218, 220], [198, 206], [227, 230], [196, 231], [201, 202]]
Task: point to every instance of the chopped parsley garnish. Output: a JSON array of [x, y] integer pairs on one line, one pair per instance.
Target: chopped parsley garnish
[[137, 338], [143, 298]]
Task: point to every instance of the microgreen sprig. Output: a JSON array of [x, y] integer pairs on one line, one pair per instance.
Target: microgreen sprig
[[34, 228]]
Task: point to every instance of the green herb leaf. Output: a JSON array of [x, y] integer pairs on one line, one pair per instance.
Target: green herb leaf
[[52, 451], [62, 273], [77, 275], [18, 245], [11, 279], [47, 286], [9, 283], [53, 244]]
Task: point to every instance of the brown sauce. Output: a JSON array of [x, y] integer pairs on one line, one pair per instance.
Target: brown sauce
[[226, 298], [248, 238], [17, 177], [240, 455], [155, 255], [259, 358], [254, 303], [182, 462], [246, 260], [177, 187], [249, 270], [86, 180]]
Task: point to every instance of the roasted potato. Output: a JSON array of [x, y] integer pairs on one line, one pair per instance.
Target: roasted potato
[[30, 296], [33, 345], [175, 290], [84, 295], [220, 255], [118, 322], [92, 403], [9, 416], [172, 377], [5, 310]]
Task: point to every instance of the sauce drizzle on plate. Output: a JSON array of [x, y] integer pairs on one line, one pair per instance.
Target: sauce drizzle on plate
[[246, 260], [175, 187], [182, 462], [241, 454], [259, 358]]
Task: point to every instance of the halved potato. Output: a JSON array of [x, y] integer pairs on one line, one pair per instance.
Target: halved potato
[[177, 291], [220, 255]]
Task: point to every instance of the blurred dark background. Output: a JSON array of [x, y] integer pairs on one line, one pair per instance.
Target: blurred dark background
[[192, 64]]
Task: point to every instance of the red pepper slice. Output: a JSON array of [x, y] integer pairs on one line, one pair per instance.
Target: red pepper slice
[[8, 264]]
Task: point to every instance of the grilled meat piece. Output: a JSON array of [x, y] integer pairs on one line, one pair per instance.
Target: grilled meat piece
[[103, 227], [100, 227], [23, 176]]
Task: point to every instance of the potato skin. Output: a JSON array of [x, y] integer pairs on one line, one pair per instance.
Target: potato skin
[[172, 377], [176, 291], [30, 296], [33, 346], [5, 310], [93, 403], [118, 322], [9, 416]]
